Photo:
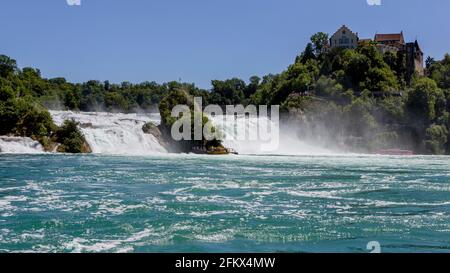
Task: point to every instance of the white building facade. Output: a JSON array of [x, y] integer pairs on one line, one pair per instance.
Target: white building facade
[[344, 38]]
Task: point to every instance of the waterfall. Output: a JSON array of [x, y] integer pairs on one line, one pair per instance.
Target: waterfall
[[19, 145], [241, 134], [111, 133], [122, 134]]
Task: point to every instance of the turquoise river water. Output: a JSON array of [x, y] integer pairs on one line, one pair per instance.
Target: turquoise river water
[[189, 203]]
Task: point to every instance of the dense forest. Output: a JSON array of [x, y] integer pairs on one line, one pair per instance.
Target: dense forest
[[355, 97]]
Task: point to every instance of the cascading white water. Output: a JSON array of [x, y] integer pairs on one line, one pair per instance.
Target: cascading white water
[[241, 134], [110, 133], [19, 145]]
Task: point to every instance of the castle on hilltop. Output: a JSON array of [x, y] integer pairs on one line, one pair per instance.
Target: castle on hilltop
[[393, 42]]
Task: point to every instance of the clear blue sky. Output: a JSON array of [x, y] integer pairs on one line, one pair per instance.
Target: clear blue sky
[[197, 40]]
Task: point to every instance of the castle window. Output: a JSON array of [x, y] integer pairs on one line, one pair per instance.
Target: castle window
[[344, 40]]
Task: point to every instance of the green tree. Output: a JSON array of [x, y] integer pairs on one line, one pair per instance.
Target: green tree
[[252, 87], [359, 119], [6, 93], [329, 88], [436, 138], [429, 62], [356, 67], [72, 100], [23, 117], [8, 66], [320, 43], [307, 54], [440, 72], [115, 102], [423, 99], [229, 92]]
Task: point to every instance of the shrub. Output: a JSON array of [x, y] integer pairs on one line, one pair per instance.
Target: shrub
[[71, 138], [22, 117], [436, 139]]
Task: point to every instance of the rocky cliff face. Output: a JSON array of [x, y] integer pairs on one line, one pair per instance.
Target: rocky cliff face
[[164, 139]]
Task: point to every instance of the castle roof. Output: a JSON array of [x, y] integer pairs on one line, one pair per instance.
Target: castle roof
[[365, 40], [397, 37], [344, 27]]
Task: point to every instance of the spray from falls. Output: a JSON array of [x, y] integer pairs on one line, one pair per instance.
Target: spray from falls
[[241, 134]]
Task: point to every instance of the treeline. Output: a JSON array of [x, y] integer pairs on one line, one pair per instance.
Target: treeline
[[355, 98], [57, 93]]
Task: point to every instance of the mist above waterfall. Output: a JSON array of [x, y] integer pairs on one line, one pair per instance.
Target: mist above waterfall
[[241, 134]]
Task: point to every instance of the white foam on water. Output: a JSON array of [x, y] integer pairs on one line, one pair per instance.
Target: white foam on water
[[19, 145], [223, 236], [112, 133], [148, 235]]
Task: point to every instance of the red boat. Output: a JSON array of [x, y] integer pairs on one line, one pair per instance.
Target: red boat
[[395, 152]]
